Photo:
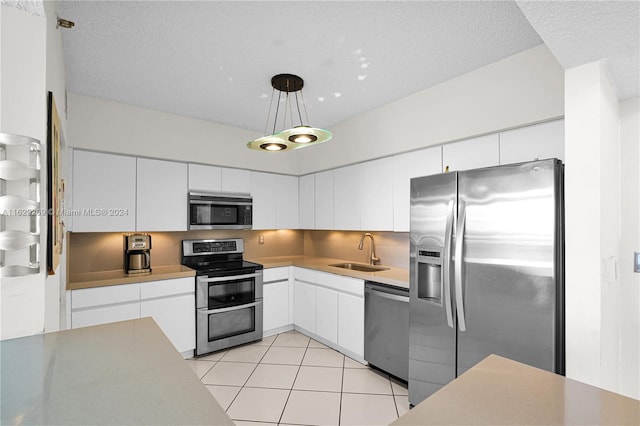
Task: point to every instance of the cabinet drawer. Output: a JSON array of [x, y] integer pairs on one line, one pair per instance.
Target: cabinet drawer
[[308, 275], [151, 289], [275, 274], [105, 314], [341, 283], [85, 298]]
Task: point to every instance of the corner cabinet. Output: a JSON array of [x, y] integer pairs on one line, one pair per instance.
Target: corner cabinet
[[323, 200], [169, 302], [103, 192], [275, 201], [330, 308], [162, 195], [307, 201]]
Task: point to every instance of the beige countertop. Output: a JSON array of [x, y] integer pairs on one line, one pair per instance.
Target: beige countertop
[[105, 278], [499, 391], [393, 276], [398, 277], [123, 373]]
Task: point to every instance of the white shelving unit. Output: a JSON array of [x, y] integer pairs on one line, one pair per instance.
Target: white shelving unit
[[20, 165]]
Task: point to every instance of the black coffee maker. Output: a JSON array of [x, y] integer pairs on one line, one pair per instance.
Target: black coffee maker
[[137, 253]]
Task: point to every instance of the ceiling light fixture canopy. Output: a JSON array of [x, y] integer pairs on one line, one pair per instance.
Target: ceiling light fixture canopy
[[297, 136]]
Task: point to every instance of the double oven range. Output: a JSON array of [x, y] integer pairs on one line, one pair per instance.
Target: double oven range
[[228, 294]]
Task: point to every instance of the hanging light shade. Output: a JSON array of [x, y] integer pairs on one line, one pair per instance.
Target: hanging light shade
[[293, 137]]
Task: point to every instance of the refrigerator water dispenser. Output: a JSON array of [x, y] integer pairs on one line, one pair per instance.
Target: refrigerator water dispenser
[[430, 274]]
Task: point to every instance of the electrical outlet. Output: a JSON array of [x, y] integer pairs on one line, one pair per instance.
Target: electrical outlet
[[261, 239]]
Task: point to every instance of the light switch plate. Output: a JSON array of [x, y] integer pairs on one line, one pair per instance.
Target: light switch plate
[[636, 261]]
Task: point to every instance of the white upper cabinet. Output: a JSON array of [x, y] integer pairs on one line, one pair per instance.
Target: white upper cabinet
[[347, 197], [235, 180], [263, 191], [287, 202], [205, 178], [537, 142], [324, 200], [307, 201], [104, 183], [424, 162], [162, 195], [275, 201], [483, 151], [376, 192]]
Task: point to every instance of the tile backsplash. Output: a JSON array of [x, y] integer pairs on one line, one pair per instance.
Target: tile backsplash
[[98, 251]]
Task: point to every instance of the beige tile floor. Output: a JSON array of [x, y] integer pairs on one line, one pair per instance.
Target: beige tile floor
[[290, 379]]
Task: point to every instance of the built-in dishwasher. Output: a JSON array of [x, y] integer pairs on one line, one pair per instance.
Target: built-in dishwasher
[[386, 328]]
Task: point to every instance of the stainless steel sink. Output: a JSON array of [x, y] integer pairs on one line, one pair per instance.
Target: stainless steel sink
[[360, 267]]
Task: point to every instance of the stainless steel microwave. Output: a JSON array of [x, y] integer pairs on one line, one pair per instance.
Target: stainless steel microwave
[[216, 210]]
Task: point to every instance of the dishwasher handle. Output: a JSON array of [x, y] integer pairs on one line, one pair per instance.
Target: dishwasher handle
[[387, 295]]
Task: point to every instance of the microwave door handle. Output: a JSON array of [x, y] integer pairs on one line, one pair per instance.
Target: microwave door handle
[[227, 278], [230, 309]]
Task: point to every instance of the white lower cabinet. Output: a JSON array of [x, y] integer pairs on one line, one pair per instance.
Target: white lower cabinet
[[276, 301], [327, 314], [175, 316], [331, 307], [170, 303], [304, 306], [105, 314], [102, 305], [351, 323]]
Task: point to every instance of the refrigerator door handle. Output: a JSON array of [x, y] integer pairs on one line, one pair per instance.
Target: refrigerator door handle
[[446, 265], [458, 266]]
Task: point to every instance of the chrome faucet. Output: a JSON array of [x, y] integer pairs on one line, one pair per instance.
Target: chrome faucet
[[372, 250]]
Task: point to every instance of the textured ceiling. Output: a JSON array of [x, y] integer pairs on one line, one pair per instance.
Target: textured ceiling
[[579, 32], [213, 60]]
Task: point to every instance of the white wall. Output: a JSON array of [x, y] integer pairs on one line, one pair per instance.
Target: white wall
[[601, 176], [523, 89], [55, 80], [23, 111], [103, 125], [32, 64], [630, 241]]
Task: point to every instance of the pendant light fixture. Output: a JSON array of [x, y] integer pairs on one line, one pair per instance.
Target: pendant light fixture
[[294, 137]]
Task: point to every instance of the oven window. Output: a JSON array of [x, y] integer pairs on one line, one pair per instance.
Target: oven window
[[231, 323], [231, 293]]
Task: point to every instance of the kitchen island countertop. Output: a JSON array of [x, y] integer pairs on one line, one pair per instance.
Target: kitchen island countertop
[[398, 277], [499, 391], [124, 373]]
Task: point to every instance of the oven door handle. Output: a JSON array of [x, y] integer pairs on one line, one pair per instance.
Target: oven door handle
[[228, 278], [229, 309]]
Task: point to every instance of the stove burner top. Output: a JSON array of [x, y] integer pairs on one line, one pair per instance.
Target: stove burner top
[[208, 268], [216, 257]]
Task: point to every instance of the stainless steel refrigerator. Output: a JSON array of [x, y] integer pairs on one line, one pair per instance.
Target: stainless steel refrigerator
[[486, 271]]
